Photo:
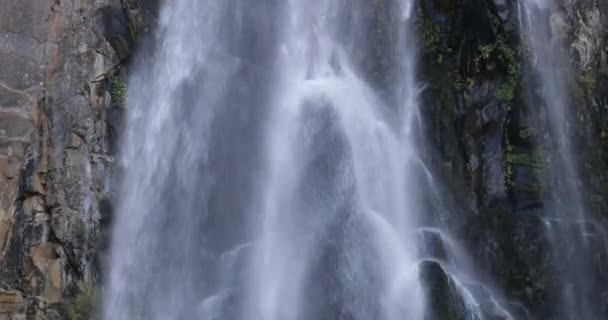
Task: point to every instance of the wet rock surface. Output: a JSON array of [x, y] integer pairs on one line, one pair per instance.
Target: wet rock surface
[[441, 293], [486, 118]]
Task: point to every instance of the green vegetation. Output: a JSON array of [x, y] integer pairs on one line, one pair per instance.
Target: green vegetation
[[84, 305], [118, 91], [506, 90], [498, 61], [497, 52], [134, 27], [135, 22], [506, 56], [532, 160], [428, 33], [460, 82]]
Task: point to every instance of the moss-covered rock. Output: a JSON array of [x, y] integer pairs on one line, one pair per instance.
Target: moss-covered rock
[[85, 304]]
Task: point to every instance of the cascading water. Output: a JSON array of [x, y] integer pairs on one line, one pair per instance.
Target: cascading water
[[564, 210], [337, 219], [272, 170]]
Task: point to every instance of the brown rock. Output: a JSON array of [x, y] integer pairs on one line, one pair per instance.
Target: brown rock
[[11, 304]]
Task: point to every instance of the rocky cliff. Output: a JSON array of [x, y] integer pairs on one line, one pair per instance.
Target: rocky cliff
[[488, 126], [62, 88], [60, 103]]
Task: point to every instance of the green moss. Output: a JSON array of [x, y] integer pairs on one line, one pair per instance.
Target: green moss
[[135, 22], [460, 82], [512, 157], [501, 52], [529, 159], [118, 92], [439, 59], [428, 33], [84, 305], [442, 58], [485, 51], [532, 160], [506, 91], [134, 26]]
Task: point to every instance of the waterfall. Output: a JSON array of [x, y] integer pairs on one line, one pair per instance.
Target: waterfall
[[567, 225], [272, 170], [338, 213]]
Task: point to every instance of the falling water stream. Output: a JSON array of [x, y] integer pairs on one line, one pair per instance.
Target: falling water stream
[[337, 223], [270, 173], [567, 226]]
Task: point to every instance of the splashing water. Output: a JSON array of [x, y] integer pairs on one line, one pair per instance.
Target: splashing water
[[565, 213], [271, 168]]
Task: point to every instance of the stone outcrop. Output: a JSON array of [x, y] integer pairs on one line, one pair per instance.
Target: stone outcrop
[[490, 138], [59, 62]]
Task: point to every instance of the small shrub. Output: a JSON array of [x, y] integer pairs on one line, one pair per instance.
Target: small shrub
[[506, 90], [428, 33], [84, 305], [118, 91], [507, 57]]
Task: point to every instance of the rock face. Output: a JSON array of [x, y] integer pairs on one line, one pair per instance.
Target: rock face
[[61, 102], [60, 61], [441, 292], [490, 137]]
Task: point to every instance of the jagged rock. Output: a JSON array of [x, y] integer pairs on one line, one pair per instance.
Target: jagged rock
[[11, 304], [54, 162], [488, 306], [526, 189], [491, 142], [449, 300], [431, 245], [441, 293], [116, 30]]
